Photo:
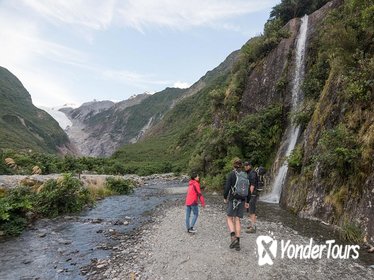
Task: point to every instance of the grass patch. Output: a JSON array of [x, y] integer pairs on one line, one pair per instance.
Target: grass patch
[[352, 233], [119, 185]]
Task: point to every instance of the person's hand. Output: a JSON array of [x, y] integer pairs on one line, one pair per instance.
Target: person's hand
[[246, 205], [225, 200]]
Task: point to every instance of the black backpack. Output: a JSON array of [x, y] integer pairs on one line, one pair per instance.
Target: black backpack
[[261, 171], [241, 187]]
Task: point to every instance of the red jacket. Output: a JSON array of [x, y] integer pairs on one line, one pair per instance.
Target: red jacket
[[193, 193]]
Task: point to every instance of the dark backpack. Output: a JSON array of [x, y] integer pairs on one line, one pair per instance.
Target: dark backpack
[[241, 188], [261, 171]]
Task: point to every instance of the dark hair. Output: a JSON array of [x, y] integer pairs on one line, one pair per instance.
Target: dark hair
[[237, 163], [193, 176], [247, 163]]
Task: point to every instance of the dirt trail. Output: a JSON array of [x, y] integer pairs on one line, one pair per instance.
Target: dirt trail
[[164, 250]]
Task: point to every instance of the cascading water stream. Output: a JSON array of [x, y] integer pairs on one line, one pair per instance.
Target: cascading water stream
[[292, 132]]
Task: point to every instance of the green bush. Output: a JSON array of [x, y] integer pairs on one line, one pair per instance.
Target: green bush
[[316, 77], [289, 9], [64, 195], [13, 208], [119, 185], [339, 151], [295, 159], [303, 116], [359, 82], [215, 183]]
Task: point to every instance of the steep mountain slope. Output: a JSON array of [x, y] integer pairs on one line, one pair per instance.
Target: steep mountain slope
[[332, 168], [22, 125], [100, 127], [245, 112]]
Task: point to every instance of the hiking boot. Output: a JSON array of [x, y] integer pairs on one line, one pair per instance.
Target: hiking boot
[[237, 246], [192, 230], [233, 243], [251, 229]]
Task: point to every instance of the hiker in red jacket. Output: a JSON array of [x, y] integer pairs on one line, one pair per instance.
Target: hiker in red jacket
[[193, 195]]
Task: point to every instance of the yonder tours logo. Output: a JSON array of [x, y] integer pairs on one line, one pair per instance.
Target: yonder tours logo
[[267, 248]]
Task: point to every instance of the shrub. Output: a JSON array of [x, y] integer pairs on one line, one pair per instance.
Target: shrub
[[359, 81], [295, 159], [339, 151], [303, 116], [13, 208], [119, 185], [316, 77], [64, 195], [215, 183]]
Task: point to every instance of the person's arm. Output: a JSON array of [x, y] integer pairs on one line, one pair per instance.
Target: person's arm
[[199, 194], [252, 181], [227, 186]]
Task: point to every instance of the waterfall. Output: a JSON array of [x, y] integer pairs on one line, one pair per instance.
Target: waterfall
[[292, 131]]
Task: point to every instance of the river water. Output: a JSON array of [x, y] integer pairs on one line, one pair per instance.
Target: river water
[[59, 248]]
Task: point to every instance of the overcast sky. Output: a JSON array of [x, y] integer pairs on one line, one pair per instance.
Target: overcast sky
[[74, 51]]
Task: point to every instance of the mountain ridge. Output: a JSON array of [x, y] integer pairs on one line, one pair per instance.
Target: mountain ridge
[[24, 126]]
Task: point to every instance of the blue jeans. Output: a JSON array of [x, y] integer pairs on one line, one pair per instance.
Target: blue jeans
[[195, 210]]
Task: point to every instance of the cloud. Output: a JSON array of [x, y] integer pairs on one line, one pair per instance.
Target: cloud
[[22, 39], [132, 78], [39, 57], [179, 84], [142, 14], [92, 14], [181, 14], [29, 56], [47, 89]]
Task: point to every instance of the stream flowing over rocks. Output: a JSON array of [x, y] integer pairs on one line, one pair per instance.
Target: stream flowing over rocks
[[143, 236]]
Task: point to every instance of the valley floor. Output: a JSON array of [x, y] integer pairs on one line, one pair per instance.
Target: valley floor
[[164, 250]]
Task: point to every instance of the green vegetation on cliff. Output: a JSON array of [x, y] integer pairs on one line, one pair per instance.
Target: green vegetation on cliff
[[338, 117], [22, 125], [205, 131], [125, 124]]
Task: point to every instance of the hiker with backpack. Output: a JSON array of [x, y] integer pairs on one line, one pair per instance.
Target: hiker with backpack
[[252, 197], [193, 196], [235, 195]]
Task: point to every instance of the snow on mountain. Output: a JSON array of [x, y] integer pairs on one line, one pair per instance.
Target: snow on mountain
[[59, 116]]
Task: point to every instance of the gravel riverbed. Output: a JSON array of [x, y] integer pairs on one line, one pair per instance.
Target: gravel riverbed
[[163, 249]]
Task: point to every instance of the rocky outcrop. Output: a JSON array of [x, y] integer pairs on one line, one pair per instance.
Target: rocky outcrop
[[321, 194], [270, 81], [87, 120], [261, 89], [87, 110]]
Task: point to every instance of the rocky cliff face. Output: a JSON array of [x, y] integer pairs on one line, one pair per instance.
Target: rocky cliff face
[[346, 201], [100, 128], [315, 190], [270, 81], [83, 132]]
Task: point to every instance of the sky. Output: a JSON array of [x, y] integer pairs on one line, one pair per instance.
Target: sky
[[76, 51]]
